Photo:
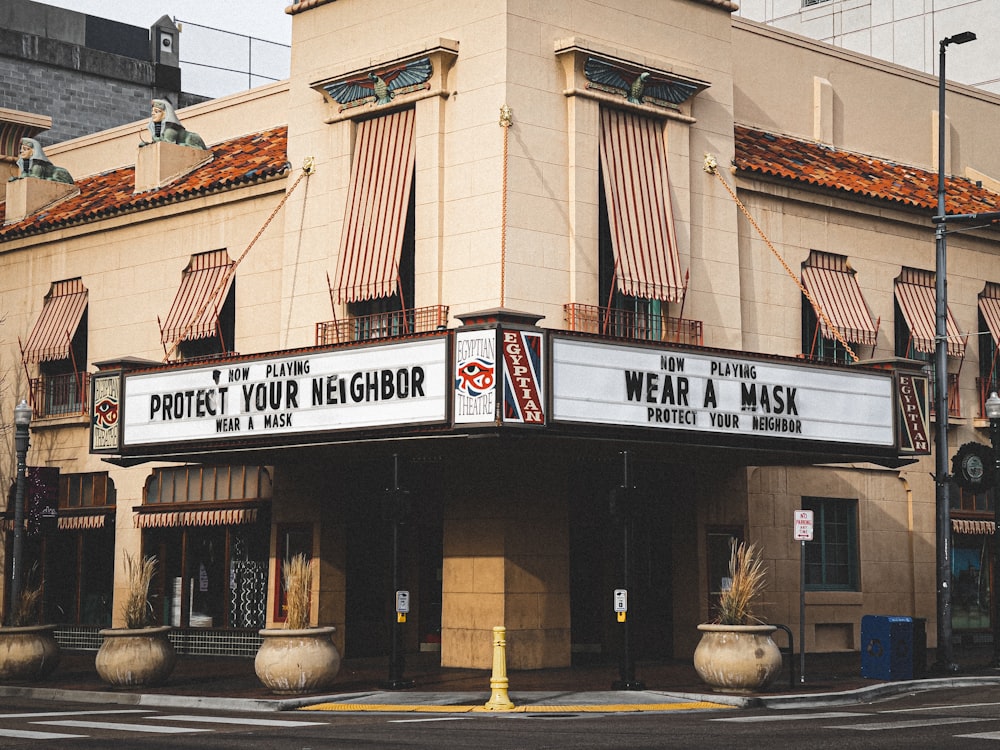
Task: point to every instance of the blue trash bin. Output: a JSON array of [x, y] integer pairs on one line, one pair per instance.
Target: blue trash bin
[[886, 647]]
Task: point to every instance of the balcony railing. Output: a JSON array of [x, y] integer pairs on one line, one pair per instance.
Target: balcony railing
[[60, 395], [632, 324], [954, 398], [382, 325], [984, 387]]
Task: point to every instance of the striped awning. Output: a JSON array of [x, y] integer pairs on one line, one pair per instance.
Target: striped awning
[[967, 526], [378, 200], [85, 522], [637, 189], [154, 518], [989, 306], [917, 301], [838, 295], [52, 335], [195, 312]]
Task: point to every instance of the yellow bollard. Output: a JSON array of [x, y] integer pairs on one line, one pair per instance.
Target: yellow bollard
[[498, 680]]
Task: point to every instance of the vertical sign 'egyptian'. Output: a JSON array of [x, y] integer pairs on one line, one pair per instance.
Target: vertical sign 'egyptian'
[[913, 414], [522, 388]]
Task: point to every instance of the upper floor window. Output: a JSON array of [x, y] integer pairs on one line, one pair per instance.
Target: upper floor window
[[58, 344], [639, 266], [202, 319], [843, 314], [989, 352], [375, 266]]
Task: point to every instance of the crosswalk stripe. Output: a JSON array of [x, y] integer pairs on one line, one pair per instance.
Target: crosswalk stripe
[[120, 726], [878, 727], [980, 736], [24, 734], [33, 714], [792, 717], [249, 722]]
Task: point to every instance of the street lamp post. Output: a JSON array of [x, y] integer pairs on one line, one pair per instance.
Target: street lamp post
[[945, 659], [992, 408], [22, 422]]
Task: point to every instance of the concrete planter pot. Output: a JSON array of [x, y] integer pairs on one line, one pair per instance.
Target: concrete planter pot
[[737, 658], [135, 657], [27, 653], [291, 662]]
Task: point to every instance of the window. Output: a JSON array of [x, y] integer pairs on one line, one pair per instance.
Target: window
[[916, 326], [86, 490], [832, 555], [375, 265], [190, 484], [833, 285], [719, 546], [58, 344], [639, 265], [989, 352], [202, 318]]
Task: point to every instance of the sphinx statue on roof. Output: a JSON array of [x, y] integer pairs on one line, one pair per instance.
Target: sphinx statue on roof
[[32, 162], [164, 125]]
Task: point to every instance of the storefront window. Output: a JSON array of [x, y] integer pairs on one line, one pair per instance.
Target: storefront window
[[970, 576], [293, 539], [832, 555]]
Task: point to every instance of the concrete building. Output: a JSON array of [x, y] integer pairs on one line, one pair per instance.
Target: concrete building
[[80, 73], [443, 293], [903, 33]]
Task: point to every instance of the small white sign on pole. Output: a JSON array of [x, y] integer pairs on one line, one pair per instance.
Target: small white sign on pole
[[803, 526]]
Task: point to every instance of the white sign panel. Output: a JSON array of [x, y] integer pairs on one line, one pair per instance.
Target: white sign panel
[[613, 384], [803, 526], [621, 600], [475, 376], [377, 386]]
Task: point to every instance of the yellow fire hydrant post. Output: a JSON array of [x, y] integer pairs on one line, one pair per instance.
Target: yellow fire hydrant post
[[499, 701]]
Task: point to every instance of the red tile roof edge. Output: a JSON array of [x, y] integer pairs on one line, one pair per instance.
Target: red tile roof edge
[[254, 157], [823, 166]]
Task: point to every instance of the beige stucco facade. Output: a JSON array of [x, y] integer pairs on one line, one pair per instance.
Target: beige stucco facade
[[509, 218]]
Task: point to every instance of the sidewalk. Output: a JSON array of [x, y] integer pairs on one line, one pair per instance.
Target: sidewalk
[[229, 683]]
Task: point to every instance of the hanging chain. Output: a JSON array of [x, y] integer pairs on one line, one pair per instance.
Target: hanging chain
[[506, 120]]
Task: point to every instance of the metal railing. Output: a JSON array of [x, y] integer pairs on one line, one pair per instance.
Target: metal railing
[[60, 395], [954, 397], [632, 324], [383, 325]]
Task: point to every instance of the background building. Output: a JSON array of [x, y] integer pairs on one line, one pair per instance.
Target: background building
[[903, 33]]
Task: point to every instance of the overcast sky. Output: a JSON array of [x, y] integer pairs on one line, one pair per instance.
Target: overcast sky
[[256, 60]]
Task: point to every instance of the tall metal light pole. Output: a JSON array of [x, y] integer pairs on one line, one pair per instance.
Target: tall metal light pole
[[945, 659], [992, 408], [22, 422]]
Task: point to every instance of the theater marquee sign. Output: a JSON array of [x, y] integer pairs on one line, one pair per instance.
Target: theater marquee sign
[[600, 383], [370, 387]]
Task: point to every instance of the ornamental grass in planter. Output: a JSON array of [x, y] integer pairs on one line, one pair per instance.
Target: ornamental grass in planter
[[140, 653], [297, 658], [28, 649], [736, 652]]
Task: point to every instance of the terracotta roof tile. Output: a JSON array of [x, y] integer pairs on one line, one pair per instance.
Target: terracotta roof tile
[[826, 167], [249, 158]]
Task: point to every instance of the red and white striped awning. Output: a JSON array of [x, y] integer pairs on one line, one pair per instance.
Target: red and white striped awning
[[52, 335], [637, 189], [82, 522], [151, 519], [989, 306], [195, 311], [967, 526], [838, 295], [378, 200], [917, 302]]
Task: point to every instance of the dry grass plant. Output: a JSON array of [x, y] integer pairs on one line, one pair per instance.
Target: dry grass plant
[[137, 610], [296, 577], [747, 581], [29, 600]]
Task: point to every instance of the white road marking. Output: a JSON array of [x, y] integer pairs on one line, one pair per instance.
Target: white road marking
[[121, 727], [981, 736], [22, 734], [937, 708], [248, 722], [793, 717], [878, 727], [418, 721], [32, 714]]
